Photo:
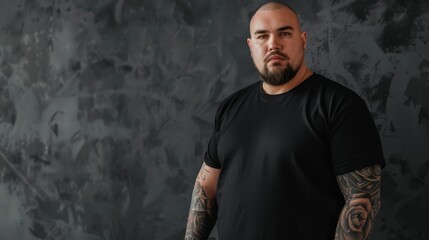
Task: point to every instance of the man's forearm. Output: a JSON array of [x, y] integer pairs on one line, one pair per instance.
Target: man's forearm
[[202, 213], [356, 219], [362, 194]]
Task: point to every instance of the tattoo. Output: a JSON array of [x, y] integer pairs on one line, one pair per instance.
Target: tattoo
[[203, 173], [361, 190], [203, 210]]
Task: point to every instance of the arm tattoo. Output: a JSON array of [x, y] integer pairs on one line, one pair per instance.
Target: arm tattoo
[[203, 210], [203, 173], [361, 190]]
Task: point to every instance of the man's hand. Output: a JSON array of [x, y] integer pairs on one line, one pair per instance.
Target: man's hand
[[203, 210], [361, 190]]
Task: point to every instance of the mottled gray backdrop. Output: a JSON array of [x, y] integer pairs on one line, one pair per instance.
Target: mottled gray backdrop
[[106, 107]]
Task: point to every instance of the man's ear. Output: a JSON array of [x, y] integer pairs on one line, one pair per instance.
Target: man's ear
[[304, 39], [249, 43]]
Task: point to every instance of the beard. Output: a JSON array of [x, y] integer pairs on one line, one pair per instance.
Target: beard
[[279, 76]]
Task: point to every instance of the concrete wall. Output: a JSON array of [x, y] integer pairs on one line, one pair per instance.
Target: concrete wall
[[106, 107]]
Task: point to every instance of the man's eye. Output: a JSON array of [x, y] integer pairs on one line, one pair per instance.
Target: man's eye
[[285, 34], [261, 36]]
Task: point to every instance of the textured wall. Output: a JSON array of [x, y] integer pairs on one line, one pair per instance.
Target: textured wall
[[106, 106]]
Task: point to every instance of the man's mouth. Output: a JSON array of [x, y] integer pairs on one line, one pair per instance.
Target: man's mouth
[[276, 56]]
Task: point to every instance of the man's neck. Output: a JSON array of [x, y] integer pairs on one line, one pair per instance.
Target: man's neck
[[302, 74]]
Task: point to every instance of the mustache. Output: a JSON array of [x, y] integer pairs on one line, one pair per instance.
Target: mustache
[[267, 58]]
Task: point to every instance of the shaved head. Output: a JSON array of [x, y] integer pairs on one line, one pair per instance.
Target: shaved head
[[272, 6]]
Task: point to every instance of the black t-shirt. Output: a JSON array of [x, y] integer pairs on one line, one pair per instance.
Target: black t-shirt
[[279, 157]]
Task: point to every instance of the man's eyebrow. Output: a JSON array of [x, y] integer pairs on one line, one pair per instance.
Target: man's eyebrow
[[260, 31], [285, 28], [278, 29]]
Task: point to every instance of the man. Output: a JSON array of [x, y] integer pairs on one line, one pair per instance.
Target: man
[[294, 156]]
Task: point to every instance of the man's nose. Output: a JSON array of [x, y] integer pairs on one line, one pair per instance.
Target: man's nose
[[274, 44]]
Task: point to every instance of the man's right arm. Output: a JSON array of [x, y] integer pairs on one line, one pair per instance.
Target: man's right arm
[[203, 210]]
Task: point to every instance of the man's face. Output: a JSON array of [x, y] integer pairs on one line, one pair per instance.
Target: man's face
[[276, 44]]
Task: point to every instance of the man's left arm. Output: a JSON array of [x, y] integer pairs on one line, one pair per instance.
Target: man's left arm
[[361, 190]]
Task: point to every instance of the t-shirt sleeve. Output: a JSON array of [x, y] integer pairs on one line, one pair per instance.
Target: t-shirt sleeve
[[354, 139], [211, 157]]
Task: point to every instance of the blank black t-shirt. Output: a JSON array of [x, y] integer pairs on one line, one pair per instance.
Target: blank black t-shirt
[[279, 156]]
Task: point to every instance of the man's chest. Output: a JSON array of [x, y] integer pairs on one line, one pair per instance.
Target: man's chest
[[280, 132]]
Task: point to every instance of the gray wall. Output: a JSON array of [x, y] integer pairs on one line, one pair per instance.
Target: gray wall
[[106, 107]]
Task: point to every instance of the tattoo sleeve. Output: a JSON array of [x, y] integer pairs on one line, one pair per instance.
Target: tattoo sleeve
[[203, 210], [361, 190]]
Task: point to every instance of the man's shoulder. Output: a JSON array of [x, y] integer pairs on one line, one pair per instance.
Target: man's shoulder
[[239, 95], [333, 89]]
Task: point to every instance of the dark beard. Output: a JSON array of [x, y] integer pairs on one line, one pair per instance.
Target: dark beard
[[277, 78]]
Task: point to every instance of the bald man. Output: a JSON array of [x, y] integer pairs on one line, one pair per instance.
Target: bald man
[[293, 155]]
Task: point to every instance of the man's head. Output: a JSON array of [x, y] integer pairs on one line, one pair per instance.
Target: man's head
[[276, 43]]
